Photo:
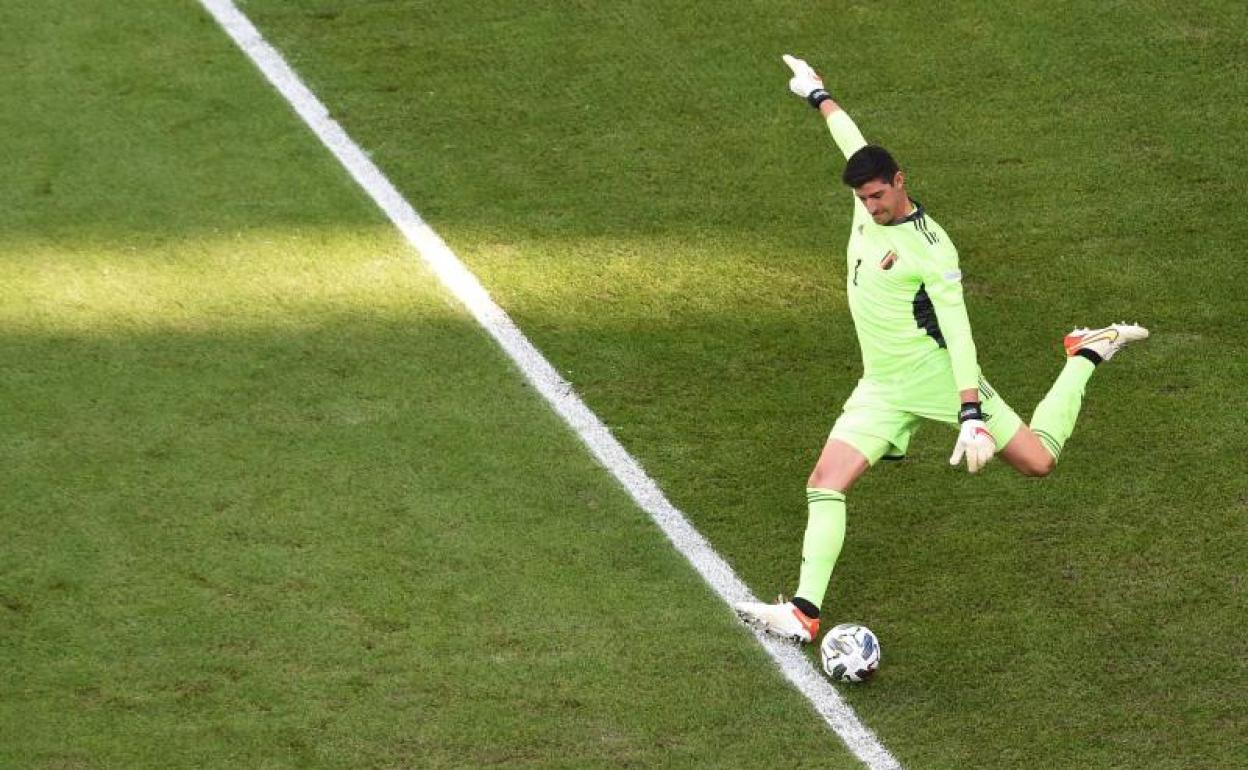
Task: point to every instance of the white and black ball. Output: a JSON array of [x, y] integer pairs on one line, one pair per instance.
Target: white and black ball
[[850, 653]]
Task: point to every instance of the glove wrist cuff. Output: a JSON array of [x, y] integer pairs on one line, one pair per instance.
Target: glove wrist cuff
[[818, 97], [970, 411]]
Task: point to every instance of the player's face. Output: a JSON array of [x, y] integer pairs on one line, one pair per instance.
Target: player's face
[[885, 202]]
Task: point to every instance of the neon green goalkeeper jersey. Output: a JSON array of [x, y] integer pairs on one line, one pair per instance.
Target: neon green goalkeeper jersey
[[905, 291]]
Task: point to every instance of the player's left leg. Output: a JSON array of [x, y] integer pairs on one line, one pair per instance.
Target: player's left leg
[[842, 462], [868, 430]]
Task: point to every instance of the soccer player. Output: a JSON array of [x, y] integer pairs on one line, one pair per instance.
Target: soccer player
[[918, 358]]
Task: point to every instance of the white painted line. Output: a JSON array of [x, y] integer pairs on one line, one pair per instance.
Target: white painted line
[[465, 286]]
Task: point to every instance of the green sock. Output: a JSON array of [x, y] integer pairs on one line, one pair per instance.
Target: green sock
[[825, 533], [1054, 418]]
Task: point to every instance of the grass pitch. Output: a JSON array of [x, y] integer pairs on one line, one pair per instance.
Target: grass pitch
[[271, 498], [639, 189], [272, 501]]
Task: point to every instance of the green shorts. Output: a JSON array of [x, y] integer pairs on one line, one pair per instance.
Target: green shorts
[[879, 419]]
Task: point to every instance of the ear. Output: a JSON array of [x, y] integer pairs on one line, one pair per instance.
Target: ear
[[899, 179]]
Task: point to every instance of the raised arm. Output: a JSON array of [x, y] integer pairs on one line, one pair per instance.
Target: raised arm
[[807, 84]]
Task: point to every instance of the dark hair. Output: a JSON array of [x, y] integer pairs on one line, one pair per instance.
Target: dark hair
[[870, 162]]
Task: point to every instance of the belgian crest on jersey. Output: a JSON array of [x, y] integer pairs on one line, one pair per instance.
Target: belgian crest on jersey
[[889, 260]]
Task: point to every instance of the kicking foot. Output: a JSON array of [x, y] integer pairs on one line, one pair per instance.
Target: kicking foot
[[1104, 343], [781, 619]]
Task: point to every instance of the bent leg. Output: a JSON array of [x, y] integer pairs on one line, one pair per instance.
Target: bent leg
[[1027, 454], [1055, 415]]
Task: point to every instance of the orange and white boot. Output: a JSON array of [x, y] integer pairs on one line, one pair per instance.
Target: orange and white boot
[[1103, 342], [781, 619]]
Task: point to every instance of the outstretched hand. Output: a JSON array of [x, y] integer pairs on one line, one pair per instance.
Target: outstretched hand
[[805, 80]]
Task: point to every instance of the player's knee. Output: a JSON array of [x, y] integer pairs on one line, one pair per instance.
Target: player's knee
[[838, 468], [817, 480], [1038, 467], [828, 478]]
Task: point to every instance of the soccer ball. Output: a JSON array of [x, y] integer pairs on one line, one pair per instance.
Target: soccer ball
[[850, 653]]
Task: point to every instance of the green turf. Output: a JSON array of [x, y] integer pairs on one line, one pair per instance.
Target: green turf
[[635, 184], [271, 498]]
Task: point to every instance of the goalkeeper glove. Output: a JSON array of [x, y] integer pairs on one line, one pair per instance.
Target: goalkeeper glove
[[805, 82], [974, 440]]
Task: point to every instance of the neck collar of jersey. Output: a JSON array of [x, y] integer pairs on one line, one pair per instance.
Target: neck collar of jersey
[[913, 215]]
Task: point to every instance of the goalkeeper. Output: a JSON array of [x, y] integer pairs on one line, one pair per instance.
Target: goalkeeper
[[904, 289]]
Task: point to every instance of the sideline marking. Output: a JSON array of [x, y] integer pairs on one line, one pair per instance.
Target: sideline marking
[[795, 666]]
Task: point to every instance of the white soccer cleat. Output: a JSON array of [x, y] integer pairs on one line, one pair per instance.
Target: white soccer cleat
[[1104, 342], [781, 619]]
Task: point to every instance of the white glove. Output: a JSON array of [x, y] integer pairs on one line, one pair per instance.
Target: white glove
[[805, 81], [976, 443]]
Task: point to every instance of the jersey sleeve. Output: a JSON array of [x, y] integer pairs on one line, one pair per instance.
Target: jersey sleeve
[[850, 140], [845, 133], [942, 279]]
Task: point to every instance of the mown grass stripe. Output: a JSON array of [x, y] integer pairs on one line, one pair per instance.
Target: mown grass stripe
[[795, 666]]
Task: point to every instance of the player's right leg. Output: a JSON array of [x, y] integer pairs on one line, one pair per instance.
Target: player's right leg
[[1027, 454], [1055, 416]]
